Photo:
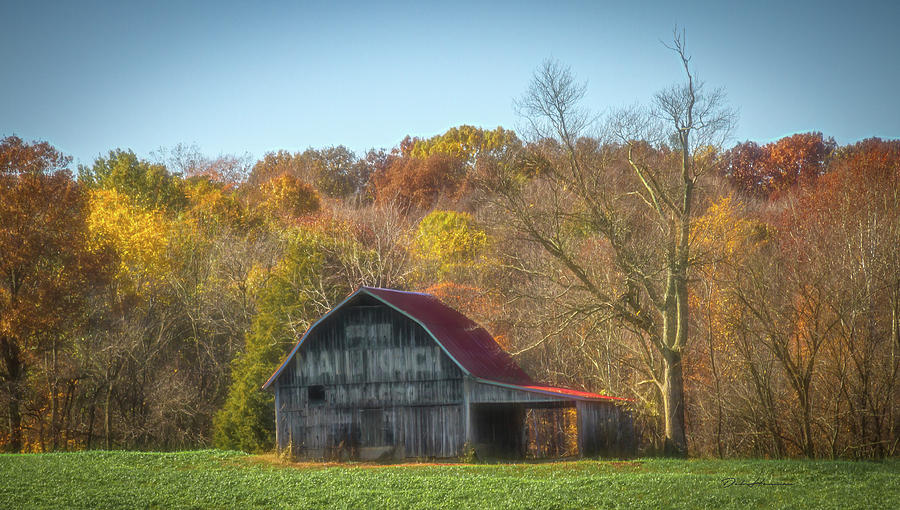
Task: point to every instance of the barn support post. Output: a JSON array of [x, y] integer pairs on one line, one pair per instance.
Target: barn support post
[[467, 411], [521, 437], [580, 426], [278, 438]]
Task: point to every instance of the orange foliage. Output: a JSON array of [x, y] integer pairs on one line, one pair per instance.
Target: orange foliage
[[870, 164], [417, 183], [474, 303], [778, 166]]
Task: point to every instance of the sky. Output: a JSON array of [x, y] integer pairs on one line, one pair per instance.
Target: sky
[[251, 77]]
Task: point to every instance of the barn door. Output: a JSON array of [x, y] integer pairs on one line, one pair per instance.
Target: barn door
[[375, 428]]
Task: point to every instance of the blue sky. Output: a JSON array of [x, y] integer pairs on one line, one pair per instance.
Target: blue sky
[[237, 77]]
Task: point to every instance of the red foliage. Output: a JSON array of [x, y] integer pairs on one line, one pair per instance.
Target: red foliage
[[774, 168], [746, 168]]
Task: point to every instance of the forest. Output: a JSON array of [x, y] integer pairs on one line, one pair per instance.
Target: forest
[[746, 295]]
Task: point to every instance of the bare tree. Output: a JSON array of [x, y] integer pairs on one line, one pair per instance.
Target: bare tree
[[616, 213], [374, 247], [189, 161]]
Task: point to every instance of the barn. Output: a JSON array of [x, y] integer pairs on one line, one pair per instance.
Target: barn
[[390, 374]]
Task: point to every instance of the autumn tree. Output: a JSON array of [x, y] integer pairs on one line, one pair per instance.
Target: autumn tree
[[747, 169], [799, 318], [439, 170], [133, 319], [778, 166], [641, 211], [215, 207], [383, 232], [272, 165], [465, 142], [288, 197], [48, 266], [417, 184], [155, 364], [336, 172], [848, 226], [787, 322], [339, 172], [149, 185], [723, 238], [140, 236], [447, 241], [798, 158]]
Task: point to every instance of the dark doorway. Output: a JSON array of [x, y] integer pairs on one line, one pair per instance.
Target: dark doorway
[[498, 430]]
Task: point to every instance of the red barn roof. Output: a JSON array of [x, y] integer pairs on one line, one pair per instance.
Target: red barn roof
[[472, 348], [467, 343]]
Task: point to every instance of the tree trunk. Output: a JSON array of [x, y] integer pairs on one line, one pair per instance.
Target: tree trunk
[[675, 334], [107, 418], [54, 398], [15, 371], [806, 430], [673, 402], [90, 431], [15, 419]]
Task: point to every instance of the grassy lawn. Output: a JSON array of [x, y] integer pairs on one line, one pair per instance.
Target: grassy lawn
[[216, 479]]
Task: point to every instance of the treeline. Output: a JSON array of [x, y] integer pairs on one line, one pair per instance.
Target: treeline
[[142, 299], [144, 303]]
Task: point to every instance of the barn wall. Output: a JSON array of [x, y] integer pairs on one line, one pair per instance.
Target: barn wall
[[368, 382], [493, 393], [605, 429]]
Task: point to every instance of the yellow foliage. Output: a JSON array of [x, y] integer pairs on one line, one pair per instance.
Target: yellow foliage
[[706, 156], [290, 197], [212, 203], [722, 231], [465, 142], [139, 236], [449, 240], [722, 238]]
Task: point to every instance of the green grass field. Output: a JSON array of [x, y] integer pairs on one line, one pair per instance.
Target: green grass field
[[216, 479]]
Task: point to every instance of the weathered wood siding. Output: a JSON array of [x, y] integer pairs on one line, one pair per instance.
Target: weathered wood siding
[[370, 382], [483, 393], [605, 429]]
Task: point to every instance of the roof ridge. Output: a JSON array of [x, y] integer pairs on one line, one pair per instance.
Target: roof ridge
[[367, 287]]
